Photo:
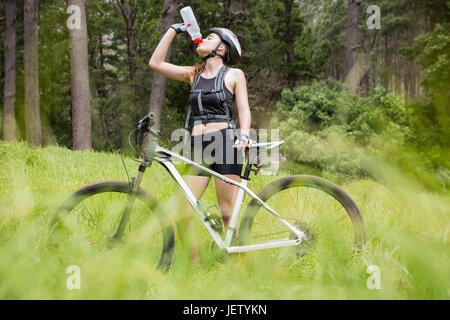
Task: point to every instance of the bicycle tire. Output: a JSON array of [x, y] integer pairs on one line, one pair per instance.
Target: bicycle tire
[[277, 186], [103, 187]]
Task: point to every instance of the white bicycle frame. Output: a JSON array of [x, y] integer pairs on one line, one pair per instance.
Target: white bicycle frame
[[163, 156]]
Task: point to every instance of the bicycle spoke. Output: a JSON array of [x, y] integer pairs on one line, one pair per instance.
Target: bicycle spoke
[[314, 207], [271, 234], [89, 215], [290, 198], [304, 203]]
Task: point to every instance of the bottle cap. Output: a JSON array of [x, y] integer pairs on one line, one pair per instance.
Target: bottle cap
[[198, 40]]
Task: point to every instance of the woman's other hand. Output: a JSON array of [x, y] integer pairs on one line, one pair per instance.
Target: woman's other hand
[[243, 142]]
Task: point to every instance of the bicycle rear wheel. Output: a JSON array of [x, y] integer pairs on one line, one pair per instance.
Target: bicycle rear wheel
[[321, 209], [91, 217]]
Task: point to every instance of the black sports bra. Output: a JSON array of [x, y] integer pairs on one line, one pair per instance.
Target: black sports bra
[[210, 102]]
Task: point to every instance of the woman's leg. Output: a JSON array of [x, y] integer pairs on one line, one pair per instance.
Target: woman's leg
[[226, 196], [231, 162], [184, 210]]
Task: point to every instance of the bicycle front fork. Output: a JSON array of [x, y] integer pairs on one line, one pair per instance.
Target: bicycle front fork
[[136, 182], [134, 187]]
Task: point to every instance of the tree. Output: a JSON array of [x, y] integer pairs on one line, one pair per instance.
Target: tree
[[81, 109], [293, 26], [31, 80], [352, 78], [9, 88], [159, 81]]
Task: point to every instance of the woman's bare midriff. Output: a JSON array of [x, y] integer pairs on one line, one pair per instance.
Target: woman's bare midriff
[[204, 128]]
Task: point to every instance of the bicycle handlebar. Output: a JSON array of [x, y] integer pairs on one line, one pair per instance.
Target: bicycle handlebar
[[146, 125]]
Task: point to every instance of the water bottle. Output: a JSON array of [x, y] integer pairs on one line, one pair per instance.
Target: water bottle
[[191, 24]]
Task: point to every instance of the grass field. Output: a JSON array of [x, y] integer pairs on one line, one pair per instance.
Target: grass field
[[407, 229]]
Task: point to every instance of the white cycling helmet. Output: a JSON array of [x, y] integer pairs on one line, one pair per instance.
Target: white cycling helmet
[[234, 48]]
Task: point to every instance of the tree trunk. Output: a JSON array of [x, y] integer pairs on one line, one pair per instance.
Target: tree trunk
[[387, 64], [159, 82], [79, 83], [102, 92], [351, 42], [128, 11], [31, 80], [289, 40], [9, 88]]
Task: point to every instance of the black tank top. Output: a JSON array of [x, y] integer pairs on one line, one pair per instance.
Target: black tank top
[[211, 104]]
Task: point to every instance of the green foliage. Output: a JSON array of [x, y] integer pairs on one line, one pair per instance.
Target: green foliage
[[320, 106], [433, 50], [326, 20], [407, 240], [54, 74], [118, 101], [333, 130]]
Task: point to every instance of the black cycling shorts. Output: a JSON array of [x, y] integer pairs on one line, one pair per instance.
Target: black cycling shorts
[[215, 151]]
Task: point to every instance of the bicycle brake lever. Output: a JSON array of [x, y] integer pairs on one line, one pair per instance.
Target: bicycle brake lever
[[143, 123]]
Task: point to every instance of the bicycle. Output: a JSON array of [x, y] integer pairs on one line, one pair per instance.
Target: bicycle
[[101, 211]]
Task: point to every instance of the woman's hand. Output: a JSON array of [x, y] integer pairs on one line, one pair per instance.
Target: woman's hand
[[179, 28], [245, 117], [243, 142]]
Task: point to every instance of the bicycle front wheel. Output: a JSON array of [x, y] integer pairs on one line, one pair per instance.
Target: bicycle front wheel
[[322, 210], [91, 216]]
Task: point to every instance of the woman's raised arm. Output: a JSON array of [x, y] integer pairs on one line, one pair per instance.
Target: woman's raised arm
[[169, 70], [245, 117]]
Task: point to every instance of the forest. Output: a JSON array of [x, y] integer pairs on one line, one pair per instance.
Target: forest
[[318, 70]]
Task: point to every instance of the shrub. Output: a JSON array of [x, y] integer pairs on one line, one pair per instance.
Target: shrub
[[331, 129]]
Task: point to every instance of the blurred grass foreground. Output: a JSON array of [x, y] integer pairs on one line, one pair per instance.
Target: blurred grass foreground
[[407, 227]]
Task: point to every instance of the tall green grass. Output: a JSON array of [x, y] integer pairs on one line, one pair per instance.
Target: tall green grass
[[407, 229]]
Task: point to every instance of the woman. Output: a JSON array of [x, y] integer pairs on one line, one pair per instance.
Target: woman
[[211, 117]]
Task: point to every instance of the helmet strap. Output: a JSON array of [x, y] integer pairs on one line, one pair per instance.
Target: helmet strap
[[214, 53]]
